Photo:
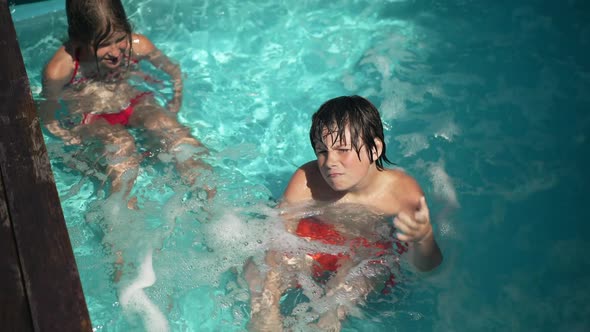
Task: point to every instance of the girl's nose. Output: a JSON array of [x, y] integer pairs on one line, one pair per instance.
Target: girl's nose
[[118, 48], [115, 50]]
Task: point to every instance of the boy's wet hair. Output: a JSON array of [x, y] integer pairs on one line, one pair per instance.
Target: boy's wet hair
[[360, 115], [91, 22]]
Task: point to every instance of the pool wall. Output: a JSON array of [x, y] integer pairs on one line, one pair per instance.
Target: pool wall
[[26, 11], [41, 288]]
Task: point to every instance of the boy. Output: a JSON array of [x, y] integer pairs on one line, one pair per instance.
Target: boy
[[347, 136]]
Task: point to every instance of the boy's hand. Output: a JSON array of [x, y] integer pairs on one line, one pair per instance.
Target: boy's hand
[[414, 228]]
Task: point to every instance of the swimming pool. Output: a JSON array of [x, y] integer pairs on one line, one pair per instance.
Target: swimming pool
[[485, 105]]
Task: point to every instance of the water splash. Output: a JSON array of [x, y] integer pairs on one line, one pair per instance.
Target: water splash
[[134, 300]]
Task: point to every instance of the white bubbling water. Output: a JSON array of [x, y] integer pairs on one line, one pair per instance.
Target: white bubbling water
[[443, 184], [333, 298], [134, 300]]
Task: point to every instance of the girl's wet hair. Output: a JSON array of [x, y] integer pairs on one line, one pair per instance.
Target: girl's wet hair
[[363, 120], [92, 22]]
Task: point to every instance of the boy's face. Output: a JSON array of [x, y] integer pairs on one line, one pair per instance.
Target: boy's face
[[339, 162], [112, 51]]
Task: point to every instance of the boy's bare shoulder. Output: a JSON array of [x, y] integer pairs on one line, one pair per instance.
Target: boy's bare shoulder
[[307, 184], [298, 188], [404, 187], [60, 67]]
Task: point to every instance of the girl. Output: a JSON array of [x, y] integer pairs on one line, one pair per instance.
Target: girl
[[92, 74]]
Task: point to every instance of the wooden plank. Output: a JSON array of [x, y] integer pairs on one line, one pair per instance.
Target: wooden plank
[[48, 268], [14, 308]]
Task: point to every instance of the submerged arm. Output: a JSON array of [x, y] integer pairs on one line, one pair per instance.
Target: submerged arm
[[426, 254], [144, 48], [56, 76]]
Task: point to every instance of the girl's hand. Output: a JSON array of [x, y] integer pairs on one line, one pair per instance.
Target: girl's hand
[[69, 137], [72, 140], [144, 48], [174, 104], [414, 228]]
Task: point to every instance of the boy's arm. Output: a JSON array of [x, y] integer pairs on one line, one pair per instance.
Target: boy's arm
[[144, 48], [297, 191], [425, 254], [413, 225]]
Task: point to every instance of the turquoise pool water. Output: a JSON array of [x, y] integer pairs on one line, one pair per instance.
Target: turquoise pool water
[[485, 104]]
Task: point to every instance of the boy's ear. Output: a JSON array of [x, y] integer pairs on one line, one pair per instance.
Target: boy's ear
[[378, 150]]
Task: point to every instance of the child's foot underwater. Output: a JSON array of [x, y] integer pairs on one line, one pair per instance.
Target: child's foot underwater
[[330, 321], [253, 277], [132, 203], [119, 262], [192, 168]]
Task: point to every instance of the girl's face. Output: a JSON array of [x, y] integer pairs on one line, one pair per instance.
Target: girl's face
[[112, 51], [340, 164]]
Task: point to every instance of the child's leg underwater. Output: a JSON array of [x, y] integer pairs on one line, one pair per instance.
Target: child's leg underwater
[[348, 288], [266, 288], [265, 306], [123, 163], [175, 138], [121, 160], [119, 153]]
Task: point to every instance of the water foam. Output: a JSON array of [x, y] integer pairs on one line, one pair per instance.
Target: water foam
[[134, 300], [443, 184]]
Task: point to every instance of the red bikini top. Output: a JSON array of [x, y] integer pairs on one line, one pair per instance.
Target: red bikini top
[[76, 68]]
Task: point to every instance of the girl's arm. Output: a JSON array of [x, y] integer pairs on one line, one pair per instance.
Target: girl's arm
[[145, 49], [56, 76]]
